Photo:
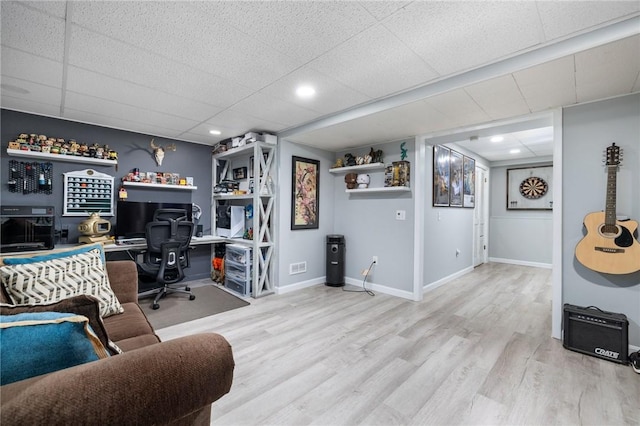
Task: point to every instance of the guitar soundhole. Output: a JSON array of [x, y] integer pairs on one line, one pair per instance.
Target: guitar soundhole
[[621, 235], [609, 231]]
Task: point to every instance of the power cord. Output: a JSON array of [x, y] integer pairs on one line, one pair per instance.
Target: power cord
[[364, 289]]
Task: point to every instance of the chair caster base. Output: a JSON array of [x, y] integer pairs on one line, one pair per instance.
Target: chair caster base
[[155, 306], [192, 297], [188, 288]]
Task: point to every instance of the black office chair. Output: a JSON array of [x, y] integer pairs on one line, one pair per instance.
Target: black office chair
[[167, 254]]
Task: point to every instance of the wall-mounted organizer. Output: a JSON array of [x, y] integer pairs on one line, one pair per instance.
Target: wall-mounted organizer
[[30, 177], [86, 192]]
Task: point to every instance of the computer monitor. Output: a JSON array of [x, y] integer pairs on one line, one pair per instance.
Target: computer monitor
[[132, 216]]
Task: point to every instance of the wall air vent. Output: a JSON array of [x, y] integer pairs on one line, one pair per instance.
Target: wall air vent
[[297, 268]]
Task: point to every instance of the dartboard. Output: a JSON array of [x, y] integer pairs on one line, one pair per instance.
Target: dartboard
[[533, 188]]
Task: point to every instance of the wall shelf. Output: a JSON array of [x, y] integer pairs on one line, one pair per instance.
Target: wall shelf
[[60, 157], [363, 167], [382, 189], [159, 186]]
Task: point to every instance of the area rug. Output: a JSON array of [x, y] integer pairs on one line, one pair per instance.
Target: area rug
[[176, 308]]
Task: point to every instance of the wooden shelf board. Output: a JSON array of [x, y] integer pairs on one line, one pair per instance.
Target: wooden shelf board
[[160, 186], [347, 169], [383, 189], [60, 157]]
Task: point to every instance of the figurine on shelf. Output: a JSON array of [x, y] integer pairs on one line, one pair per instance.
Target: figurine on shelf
[[351, 180], [337, 164], [363, 181], [350, 160], [376, 156]]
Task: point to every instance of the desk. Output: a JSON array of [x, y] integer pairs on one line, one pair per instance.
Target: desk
[[113, 247]]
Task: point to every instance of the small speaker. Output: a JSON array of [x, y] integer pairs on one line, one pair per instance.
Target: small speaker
[[598, 333], [199, 231]]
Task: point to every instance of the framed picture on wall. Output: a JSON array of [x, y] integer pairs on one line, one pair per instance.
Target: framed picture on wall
[[530, 188], [305, 186], [469, 182], [455, 189], [441, 176]]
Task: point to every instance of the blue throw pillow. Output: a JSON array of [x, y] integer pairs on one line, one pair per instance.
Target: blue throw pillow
[[32, 344]]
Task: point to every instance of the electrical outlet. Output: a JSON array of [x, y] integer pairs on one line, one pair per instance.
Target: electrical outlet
[[375, 260]]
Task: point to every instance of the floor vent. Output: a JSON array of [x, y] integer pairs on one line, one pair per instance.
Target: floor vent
[[297, 268]]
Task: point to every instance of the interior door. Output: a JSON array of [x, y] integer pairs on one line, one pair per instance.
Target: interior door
[[480, 212]]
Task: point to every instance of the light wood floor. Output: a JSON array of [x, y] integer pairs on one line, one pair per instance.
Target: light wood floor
[[475, 351]]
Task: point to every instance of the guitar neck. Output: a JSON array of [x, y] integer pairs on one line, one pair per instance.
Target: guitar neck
[[610, 209]]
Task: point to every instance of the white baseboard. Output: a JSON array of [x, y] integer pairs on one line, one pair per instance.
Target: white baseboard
[[380, 288], [442, 281], [300, 285], [521, 262]]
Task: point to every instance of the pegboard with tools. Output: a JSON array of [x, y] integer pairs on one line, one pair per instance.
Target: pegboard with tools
[[30, 178]]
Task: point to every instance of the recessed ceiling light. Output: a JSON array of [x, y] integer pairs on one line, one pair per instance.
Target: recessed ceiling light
[[514, 151], [305, 91], [215, 132], [497, 139]]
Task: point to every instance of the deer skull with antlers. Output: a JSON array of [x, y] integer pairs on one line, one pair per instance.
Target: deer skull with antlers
[[158, 151]]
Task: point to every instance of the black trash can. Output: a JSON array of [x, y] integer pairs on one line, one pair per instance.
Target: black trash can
[[335, 260]]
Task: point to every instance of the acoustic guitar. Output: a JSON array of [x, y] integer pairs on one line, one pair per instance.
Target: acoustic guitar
[[609, 245]]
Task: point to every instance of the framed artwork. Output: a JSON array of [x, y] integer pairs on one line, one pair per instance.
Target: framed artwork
[[469, 182], [305, 187], [441, 172], [530, 188], [240, 173], [455, 189]]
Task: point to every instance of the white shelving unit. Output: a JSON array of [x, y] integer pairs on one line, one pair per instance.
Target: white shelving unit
[[60, 157], [160, 186], [263, 200]]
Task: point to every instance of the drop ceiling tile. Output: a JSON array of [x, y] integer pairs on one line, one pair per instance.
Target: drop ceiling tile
[[27, 105], [548, 85], [560, 18], [383, 9], [126, 113], [331, 95], [32, 31], [54, 8], [181, 32], [457, 36], [608, 70], [24, 66], [499, 97], [241, 123], [35, 92], [303, 30], [104, 55], [271, 109], [374, 63], [129, 94], [459, 107]]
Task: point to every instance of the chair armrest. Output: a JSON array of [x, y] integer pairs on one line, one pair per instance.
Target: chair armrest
[[123, 277], [157, 384]]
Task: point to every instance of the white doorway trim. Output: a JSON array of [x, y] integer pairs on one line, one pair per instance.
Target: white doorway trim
[[481, 218]]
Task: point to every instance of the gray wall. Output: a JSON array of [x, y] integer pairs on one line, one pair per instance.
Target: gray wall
[[305, 245], [446, 229], [521, 236], [133, 152], [368, 222], [587, 130]]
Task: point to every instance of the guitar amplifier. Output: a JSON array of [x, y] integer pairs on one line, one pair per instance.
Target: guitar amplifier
[[597, 333]]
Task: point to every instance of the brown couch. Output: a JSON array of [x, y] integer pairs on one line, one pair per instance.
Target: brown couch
[[173, 382]]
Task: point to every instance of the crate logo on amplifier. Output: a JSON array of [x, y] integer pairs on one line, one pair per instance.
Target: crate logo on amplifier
[[610, 354]]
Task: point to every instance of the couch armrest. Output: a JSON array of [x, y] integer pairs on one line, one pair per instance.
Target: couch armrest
[[123, 277], [157, 384]]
